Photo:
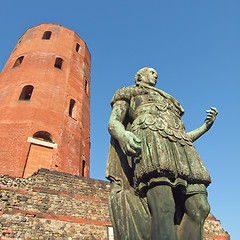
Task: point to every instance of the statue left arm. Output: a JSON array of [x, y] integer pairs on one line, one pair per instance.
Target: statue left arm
[[195, 134]]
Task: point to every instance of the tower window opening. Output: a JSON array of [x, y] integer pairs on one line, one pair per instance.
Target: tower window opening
[[83, 168], [18, 62], [26, 93], [47, 35], [72, 109], [86, 87], [58, 63], [77, 47], [44, 136]]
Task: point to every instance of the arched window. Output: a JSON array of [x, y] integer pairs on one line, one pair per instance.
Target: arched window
[[47, 35], [58, 63], [77, 47], [43, 135], [26, 93], [72, 109], [18, 62], [83, 168]]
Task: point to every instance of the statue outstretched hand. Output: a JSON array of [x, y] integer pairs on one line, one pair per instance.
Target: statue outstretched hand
[[212, 113], [129, 143]]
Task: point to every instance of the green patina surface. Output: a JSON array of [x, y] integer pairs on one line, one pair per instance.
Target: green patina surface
[[158, 179]]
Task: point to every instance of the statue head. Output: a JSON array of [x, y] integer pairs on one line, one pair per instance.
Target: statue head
[[146, 76]]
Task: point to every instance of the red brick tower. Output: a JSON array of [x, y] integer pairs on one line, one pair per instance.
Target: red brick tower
[[45, 104]]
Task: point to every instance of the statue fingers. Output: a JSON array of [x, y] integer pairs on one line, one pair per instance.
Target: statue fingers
[[124, 148], [210, 112], [215, 110], [210, 116], [208, 121], [134, 145], [130, 151], [135, 138]]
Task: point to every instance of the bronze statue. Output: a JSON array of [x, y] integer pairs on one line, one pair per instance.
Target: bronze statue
[[158, 179]]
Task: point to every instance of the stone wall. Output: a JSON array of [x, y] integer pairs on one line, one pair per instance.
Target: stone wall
[[54, 205], [213, 229]]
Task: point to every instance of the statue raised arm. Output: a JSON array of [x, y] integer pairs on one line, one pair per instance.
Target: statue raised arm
[[195, 134]]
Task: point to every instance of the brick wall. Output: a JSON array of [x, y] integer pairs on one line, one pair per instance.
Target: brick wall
[[54, 205], [56, 114]]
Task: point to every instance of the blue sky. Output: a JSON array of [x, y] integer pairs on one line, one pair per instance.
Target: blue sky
[[193, 45]]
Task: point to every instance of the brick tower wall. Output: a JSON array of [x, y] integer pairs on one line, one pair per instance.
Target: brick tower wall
[[54, 205], [34, 62]]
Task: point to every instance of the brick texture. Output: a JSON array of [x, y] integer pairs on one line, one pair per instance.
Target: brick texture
[[39, 157], [48, 108], [55, 205], [213, 229]]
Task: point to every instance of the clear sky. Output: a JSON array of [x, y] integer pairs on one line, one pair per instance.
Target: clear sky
[[193, 45]]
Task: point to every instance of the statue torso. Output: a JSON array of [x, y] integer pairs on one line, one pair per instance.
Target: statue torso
[[153, 107]]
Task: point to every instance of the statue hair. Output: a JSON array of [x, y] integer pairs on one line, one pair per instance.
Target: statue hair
[[140, 75]]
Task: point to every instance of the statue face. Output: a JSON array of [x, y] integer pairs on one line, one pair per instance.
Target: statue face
[[150, 77]]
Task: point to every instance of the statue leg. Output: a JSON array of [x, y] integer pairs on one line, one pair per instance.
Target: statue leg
[[197, 210], [162, 208]]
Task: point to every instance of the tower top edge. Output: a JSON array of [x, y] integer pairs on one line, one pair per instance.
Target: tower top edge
[[54, 25], [50, 24]]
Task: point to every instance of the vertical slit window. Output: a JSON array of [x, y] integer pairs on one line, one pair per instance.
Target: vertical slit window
[[47, 35], [26, 93], [86, 87], [83, 168], [77, 47], [58, 63], [18, 62], [72, 109]]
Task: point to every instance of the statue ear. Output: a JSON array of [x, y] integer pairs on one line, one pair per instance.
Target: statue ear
[[146, 75], [141, 77]]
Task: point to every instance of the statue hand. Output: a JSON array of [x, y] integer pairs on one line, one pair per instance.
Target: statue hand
[[212, 113], [129, 144]]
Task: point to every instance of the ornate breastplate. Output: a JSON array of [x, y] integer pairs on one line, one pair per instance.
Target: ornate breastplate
[[157, 113]]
